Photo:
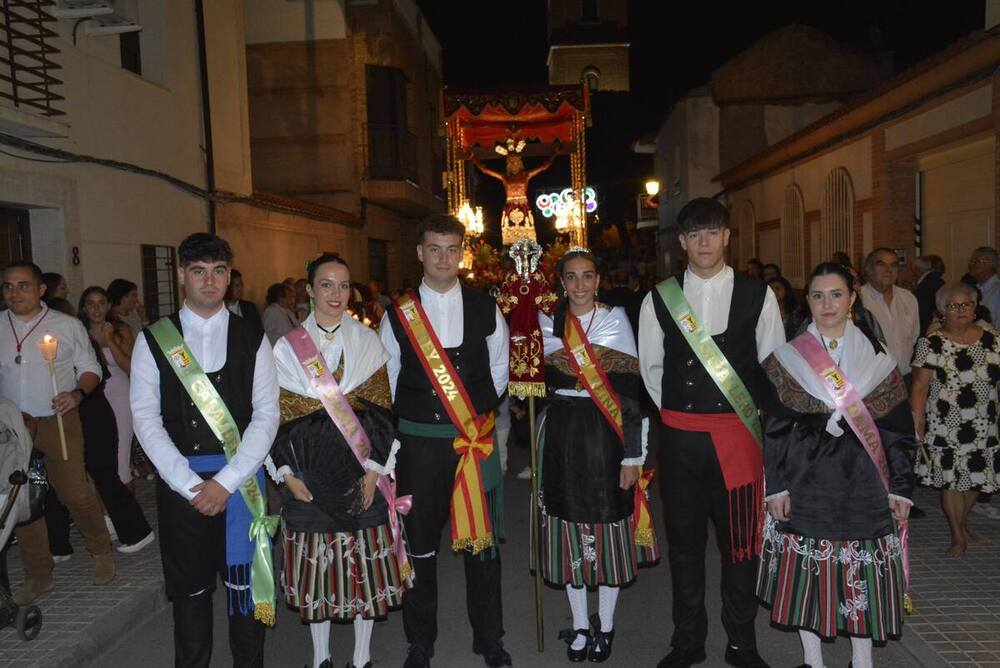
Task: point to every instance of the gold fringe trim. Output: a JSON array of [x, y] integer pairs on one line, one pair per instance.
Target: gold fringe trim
[[264, 612], [406, 572], [523, 388], [477, 545], [644, 537], [907, 604]]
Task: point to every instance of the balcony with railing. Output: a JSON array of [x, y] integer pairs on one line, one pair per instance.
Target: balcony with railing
[[390, 152], [392, 178], [26, 67]]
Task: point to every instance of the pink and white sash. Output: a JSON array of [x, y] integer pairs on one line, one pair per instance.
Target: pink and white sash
[[343, 416], [859, 418]]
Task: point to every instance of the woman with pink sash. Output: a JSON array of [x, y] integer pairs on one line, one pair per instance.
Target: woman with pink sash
[[838, 453], [344, 559]]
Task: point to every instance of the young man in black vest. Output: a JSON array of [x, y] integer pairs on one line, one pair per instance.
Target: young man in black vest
[[473, 334], [193, 507], [704, 475]]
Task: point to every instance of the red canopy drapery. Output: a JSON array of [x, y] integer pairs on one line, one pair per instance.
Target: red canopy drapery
[[485, 117]]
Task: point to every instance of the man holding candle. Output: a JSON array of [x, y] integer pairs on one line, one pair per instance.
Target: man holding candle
[[204, 395], [25, 379]]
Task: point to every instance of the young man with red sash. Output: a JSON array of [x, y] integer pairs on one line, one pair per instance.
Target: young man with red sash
[[448, 368], [838, 451], [702, 335], [204, 398], [595, 528]]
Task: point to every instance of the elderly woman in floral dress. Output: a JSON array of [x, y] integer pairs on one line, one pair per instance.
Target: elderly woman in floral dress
[[954, 402]]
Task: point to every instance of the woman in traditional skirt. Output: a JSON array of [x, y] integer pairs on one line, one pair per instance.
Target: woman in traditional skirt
[[831, 562], [340, 556], [592, 447]]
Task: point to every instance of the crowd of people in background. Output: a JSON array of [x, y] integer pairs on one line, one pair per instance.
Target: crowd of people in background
[[923, 348]]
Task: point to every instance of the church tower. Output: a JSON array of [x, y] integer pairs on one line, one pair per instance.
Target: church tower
[[588, 42]]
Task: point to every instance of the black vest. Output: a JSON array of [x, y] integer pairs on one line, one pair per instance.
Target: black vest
[[686, 386], [234, 382], [416, 399]]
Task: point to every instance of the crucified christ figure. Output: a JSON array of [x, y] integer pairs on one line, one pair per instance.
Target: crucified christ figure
[[517, 221]]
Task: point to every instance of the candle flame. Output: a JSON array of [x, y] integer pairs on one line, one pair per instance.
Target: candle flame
[[47, 338]]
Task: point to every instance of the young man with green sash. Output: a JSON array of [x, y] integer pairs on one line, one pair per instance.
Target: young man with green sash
[[448, 368], [702, 335], [204, 397]]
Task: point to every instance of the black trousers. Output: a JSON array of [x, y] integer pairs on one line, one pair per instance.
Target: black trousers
[[693, 492], [100, 457], [425, 468], [193, 551]]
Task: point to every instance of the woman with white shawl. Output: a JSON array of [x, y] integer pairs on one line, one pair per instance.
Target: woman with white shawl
[[838, 447], [595, 530], [342, 556]]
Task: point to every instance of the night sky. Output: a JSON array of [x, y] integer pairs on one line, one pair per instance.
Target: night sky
[[675, 46]]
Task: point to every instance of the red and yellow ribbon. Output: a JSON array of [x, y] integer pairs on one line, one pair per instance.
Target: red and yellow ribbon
[[470, 521], [641, 517], [584, 362]]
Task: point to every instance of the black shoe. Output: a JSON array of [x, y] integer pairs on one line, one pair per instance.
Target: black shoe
[[682, 658], [744, 658], [326, 664], [600, 651], [570, 635], [351, 665], [417, 657], [917, 513], [493, 654]]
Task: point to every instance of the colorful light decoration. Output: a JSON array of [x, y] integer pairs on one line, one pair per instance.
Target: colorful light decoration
[[471, 218], [552, 204]]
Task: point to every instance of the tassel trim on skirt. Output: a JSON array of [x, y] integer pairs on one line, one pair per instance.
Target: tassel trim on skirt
[[832, 587], [341, 575]]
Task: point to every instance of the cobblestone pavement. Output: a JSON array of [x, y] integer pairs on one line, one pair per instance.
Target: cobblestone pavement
[[957, 601], [81, 620], [956, 621]]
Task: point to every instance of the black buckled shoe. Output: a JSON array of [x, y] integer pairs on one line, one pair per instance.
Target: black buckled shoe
[[744, 658], [493, 653], [600, 650], [682, 658], [570, 636], [417, 656]]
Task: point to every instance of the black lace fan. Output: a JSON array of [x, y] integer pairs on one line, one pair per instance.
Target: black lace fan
[[318, 454]]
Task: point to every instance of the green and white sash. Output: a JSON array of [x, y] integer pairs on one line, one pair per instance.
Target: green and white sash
[[206, 398], [705, 349]]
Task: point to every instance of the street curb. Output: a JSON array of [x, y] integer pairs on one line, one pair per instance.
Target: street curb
[[113, 626]]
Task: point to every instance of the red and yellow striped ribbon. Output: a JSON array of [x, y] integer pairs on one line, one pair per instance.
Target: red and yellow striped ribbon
[[470, 521], [641, 517]]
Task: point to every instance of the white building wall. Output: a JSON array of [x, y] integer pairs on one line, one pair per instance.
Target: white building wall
[[153, 121]]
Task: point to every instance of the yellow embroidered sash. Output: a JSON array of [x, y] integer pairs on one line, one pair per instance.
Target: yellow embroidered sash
[[584, 362]]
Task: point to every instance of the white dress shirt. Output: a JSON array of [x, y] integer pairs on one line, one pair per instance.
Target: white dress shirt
[[991, 298], [444, 310], [710, 300], [29, 384], [900, 322], [207, 339]]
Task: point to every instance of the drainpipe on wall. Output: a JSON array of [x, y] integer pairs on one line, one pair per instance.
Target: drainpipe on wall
[[206, 112]]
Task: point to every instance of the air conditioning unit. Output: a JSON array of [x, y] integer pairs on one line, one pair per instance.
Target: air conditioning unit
[[100, 17], [124, 19], [81, 9]]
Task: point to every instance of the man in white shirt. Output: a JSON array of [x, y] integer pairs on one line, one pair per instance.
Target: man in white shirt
[[279, 316], [25, 380], [473, 334], [198, 489], [710, 462], [895, 308], [983, 268]]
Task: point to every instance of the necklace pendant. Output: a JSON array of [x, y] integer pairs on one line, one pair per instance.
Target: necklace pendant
[[329, 335], [833, 344], [17, 360]]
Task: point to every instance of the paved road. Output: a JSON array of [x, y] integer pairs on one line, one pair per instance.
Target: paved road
[[643, 621]]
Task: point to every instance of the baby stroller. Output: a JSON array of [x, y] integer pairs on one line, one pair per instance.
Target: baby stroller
[[21, 489]]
